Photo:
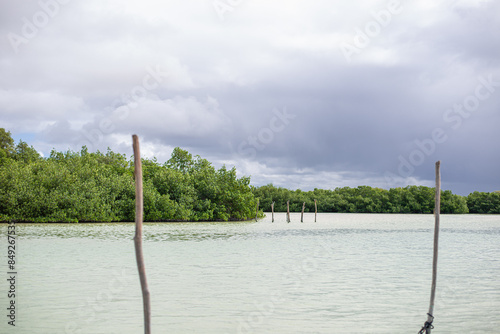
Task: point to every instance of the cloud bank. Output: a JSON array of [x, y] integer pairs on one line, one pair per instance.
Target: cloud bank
[[309, 95]]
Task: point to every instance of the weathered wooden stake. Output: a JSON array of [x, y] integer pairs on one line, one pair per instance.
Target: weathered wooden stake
[[139, 206], [257, 211], [315, 210], [288, 211], [302, 214], [437, 210], [272, 212]]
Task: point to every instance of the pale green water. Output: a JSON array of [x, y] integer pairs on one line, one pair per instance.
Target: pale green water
[[347, 273]]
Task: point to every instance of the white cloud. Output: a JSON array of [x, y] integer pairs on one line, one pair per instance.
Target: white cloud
[[310, 178], [41, 104], [179, 116], [32, 111]]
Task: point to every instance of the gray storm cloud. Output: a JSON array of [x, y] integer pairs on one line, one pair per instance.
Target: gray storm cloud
[[375, 95]]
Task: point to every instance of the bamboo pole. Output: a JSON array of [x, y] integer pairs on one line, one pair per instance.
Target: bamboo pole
[[288, 211], [302, 214], [315, 210], [437, 210], [257, 211], [272, 212], [139, 206]]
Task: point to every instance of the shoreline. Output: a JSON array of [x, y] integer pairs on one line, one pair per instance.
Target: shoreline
[[15, 221]]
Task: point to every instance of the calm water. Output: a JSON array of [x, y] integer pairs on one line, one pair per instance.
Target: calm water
[[347, 273]]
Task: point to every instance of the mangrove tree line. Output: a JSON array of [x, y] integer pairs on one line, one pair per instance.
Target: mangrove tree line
[[365, 199], [84, 186]]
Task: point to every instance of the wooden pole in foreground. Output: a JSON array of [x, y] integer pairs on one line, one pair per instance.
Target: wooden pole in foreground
[[257, 211], [315, 210], [272, 212], [288, 211], [302, 214], [139, 206], [437, 210]]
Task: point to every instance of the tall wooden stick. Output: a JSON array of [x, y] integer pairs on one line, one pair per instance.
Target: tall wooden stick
[[139, 206], [257, 211], [288, 211], [315, 210], [272, 212], [302, 214], [437, 210]]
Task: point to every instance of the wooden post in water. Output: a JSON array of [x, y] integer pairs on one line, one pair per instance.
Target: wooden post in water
[[437, 210], [257, 211], [315, 210], [272, 212], [302, 214], [288, 211], [139, 206]]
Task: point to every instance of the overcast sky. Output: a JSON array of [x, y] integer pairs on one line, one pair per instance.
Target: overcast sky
[[301, 94]]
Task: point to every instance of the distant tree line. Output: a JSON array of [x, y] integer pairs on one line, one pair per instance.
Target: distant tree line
[[95, 186], [84, 186], [365, 199], [481, 202]]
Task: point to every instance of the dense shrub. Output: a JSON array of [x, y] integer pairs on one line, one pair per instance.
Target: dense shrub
[[411, 199], [77, 187]]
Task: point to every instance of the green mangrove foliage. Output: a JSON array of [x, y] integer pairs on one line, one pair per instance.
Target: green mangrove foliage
[[364, 199], [83, 186], [484, 202]]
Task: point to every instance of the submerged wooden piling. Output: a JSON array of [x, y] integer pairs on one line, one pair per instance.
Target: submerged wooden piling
[[437, 211], [139, 206], [288, 211], [315, 210], [272, 212], [302, 214]]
